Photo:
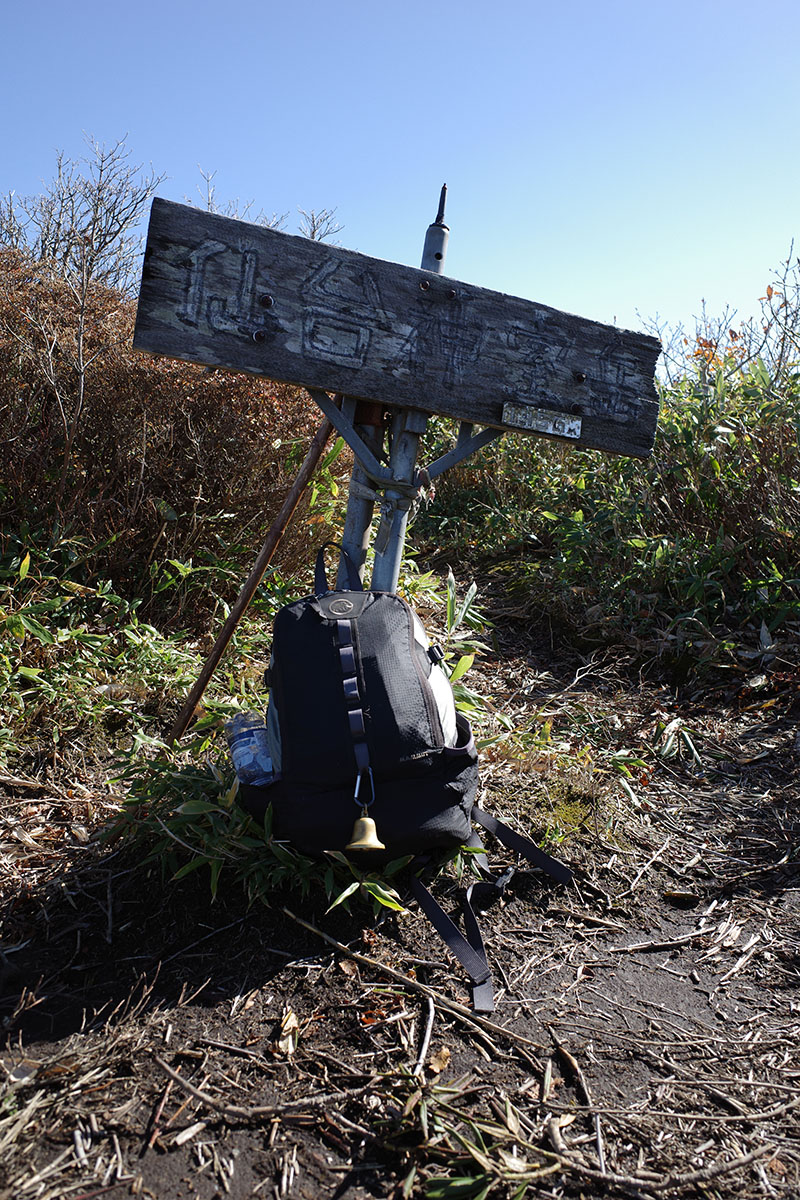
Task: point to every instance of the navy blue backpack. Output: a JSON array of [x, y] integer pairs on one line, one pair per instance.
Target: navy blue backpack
[[369, 755]]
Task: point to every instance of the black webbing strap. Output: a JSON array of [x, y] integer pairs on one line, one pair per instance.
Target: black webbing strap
[[470, 950], [523, 845], [471, 955], [353, 701], [320, 579], [480, 895]]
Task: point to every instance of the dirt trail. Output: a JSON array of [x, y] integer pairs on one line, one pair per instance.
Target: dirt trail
[[644, 1043]]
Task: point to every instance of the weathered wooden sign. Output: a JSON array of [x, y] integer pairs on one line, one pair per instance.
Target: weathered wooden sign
[[227, 293]]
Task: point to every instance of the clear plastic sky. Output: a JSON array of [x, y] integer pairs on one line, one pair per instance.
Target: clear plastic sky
[[610, 159]]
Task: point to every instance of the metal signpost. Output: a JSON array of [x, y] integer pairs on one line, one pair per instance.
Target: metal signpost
[[368, 338]]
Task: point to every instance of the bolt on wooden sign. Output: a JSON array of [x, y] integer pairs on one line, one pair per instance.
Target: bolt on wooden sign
[[227, 293]]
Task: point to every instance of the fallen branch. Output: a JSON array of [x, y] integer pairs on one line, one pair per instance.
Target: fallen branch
[[426, 1040], [242, 1113], [575, 1067], [665, 944], [459, 1010], [629, 891], [650, 1184], [751, 1118]]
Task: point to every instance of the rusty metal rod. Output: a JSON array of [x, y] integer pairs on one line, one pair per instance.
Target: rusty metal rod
[[276, 532]]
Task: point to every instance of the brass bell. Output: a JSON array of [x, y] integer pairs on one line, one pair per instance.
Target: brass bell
[[364, 836]]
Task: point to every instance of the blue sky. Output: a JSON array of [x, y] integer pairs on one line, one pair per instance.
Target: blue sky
[[604, 158]]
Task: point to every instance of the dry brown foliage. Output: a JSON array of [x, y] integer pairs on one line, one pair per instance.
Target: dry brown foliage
[[168, 460]]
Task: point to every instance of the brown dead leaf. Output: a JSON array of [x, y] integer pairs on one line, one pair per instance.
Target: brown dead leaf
[[289, 1029], [439, 1060]]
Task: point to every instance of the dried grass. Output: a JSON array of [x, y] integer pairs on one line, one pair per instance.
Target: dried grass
[[645, 1037]]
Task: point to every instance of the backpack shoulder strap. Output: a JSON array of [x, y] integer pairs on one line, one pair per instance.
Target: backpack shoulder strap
[[523, 845], [469, 950]]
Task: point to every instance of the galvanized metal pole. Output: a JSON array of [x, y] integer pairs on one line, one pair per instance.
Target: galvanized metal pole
[[361, 494], [407, 428]]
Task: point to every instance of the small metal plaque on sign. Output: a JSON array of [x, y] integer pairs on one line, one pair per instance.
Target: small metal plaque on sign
[[541, 420]]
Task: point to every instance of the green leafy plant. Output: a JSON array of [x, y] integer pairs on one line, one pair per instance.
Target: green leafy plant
[[458, 1148], [186, 818], [372, 885], [679, 559], [463, 622]]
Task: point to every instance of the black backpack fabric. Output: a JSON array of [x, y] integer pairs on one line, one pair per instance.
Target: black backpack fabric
[[361, 719], [362, 715]]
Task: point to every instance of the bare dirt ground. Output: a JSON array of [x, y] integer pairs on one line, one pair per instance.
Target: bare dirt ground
[[645, 1042]]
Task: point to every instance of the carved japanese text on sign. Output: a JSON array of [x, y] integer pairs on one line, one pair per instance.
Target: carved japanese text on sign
[[226, 293]]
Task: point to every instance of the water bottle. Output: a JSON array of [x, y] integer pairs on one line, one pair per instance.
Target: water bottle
[[247, 739]]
